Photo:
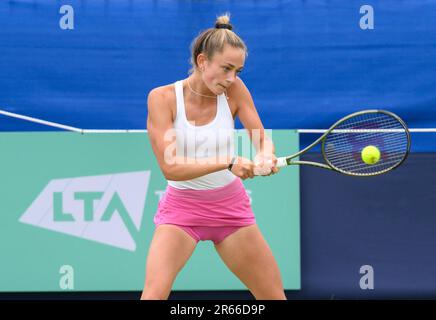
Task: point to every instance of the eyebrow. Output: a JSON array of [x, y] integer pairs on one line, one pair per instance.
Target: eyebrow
[[233, 65]]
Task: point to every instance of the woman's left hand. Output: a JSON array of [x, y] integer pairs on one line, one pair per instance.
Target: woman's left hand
[[265, 164]]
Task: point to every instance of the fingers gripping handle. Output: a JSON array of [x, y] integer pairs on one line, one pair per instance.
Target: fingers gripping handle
[[262, 171], [266, 168]]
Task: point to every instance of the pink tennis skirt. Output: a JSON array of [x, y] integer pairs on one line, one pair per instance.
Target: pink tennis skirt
[[220, 207]]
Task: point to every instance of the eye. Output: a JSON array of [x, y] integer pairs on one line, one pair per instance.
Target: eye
[[227, 69]]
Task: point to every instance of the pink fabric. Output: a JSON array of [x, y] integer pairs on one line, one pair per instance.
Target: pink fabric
[[215, 234], [220, 207]]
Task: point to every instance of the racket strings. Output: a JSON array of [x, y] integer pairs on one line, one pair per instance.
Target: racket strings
[[352, 161], [352, 144], [344, 144]]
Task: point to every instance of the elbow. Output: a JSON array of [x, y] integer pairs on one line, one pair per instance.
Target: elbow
[[170, 177], [170, 174]]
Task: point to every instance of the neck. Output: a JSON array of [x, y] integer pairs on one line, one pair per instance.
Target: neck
[[196, 84]]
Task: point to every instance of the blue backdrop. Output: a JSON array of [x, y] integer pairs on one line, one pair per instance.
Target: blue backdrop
[[386, 222], [309, 61]]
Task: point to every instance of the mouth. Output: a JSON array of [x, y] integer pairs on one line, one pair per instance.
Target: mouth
[[221, 85]]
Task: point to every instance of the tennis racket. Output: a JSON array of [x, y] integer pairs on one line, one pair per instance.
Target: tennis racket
[[343, 142]]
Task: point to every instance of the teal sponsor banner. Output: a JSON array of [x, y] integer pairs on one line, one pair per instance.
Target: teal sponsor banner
[[76, 213]]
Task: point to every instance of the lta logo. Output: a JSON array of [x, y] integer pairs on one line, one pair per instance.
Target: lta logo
[[107, 209]]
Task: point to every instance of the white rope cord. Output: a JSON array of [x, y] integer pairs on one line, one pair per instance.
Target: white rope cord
[[65, 127]]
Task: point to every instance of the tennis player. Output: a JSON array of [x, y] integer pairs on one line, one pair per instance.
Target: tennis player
[[207, 201]]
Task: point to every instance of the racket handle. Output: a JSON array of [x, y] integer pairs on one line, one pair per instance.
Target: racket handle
[[281, 162], [261, 171]]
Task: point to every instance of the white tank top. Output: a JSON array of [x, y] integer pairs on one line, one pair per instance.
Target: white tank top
[[214, 139]]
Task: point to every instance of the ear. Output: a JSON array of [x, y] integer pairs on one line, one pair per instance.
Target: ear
[[201, 60]]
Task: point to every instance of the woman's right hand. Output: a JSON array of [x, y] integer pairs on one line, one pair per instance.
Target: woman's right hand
[[243, 168]]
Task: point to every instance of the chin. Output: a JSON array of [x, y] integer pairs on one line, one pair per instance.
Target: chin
[[220, 89], [215, 90]]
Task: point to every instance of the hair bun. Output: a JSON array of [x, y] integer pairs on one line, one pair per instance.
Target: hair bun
[[223, 22], [223, 26]]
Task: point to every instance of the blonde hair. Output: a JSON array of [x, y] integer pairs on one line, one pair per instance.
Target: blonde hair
[[213, 40]]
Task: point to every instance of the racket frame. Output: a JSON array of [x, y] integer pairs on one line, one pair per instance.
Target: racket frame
[[287, 161]]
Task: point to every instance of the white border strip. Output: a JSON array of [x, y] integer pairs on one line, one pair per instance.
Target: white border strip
[[61, 126], [113, 131], [47, 123], [324, 130]]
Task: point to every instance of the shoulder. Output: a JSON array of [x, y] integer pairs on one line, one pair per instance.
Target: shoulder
[[237, 87], [163, 94], [238, 91], [163, 98], [239, 94]]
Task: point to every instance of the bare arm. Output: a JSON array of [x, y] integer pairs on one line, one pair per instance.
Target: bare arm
[[249, 117], [159, 123]]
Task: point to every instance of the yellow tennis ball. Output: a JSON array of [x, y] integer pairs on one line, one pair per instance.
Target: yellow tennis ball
[[370, 155]]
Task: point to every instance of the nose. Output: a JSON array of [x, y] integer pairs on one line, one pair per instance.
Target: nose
[[231, 77]]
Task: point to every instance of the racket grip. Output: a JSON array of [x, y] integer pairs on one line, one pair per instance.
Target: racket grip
[[262, 171], [281, 162]]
